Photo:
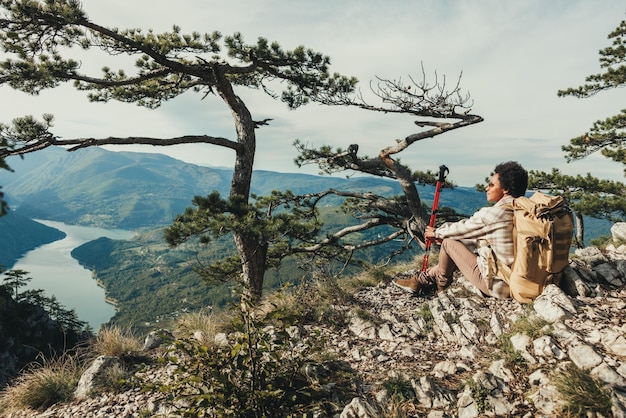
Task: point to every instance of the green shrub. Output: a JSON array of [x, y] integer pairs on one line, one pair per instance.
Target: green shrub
[[528, 324], [580, 393], [425, 313], [399, 388], [316, 302], [511, 355], [479, 394], [261, 372], [531, 325], [601, 241]]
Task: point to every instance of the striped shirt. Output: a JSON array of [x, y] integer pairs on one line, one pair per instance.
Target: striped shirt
[[490, 225]]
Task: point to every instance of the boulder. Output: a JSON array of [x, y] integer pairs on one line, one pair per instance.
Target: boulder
[[95, 376]]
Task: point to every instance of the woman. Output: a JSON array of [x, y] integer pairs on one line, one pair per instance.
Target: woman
[[489, 229]]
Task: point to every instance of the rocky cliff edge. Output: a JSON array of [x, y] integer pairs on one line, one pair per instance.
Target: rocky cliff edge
[[462, 355]]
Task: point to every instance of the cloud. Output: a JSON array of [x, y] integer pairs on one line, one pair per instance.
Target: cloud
[[513, 57]]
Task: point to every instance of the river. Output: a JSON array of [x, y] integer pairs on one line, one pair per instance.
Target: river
[[55, 271]]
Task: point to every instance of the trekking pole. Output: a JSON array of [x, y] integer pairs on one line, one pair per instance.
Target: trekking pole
[[443, 172]]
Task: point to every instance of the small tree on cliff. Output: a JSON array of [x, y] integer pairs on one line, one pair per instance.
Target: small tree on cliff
[[42, 37], [441, 109], [588, 195], [14, 279]]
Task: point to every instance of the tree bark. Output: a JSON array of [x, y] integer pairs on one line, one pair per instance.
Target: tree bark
[[252, 251]]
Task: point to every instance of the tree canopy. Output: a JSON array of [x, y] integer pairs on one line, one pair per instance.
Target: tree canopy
[[606, 136]]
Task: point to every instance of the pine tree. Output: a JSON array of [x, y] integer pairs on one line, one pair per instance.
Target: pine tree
[[589, 195], [42, 41], [606, 136], [14, 280]]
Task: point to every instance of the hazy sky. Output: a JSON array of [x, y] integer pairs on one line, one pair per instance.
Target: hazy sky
[[513, 57]]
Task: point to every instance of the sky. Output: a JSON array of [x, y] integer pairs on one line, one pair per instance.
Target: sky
[[511, 57]]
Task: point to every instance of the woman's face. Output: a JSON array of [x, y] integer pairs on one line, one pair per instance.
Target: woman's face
[[494, 190]]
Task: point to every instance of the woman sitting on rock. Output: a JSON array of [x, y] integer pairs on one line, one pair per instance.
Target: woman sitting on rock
[[491, 224]]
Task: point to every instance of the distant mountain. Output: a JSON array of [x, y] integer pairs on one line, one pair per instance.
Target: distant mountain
[[19, 235], [129, 190], [24, 164], [104, 188]]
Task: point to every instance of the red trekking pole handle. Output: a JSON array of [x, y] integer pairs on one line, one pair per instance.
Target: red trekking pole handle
[[443, 172]]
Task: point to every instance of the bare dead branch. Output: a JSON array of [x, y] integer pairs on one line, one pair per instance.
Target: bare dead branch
[[440, 128], [339, 234]]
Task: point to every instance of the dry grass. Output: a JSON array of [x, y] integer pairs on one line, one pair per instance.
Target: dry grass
[[317, 301], [43, 385], [369, 278], [532, 325], [115, 341], [203, 326]]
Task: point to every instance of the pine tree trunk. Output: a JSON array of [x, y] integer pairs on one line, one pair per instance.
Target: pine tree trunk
[[252, 251], [253, 263]]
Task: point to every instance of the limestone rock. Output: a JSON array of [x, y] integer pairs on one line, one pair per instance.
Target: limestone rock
[[553, 304], [155, 339], [430, 395], [362, 328], [583, 355], [520, 342], [573, 284], [358, 408], [591, 255], [609, 274], [93, 377], [618, 231], [544, 396], [545, 347]]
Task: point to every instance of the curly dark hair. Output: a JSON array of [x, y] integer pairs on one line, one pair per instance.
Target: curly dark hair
[[513, 178]]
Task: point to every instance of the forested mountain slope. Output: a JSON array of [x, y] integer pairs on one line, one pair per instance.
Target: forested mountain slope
[[19, 235]]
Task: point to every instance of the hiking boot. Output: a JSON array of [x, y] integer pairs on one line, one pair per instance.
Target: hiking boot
[[410, 285], [443, 283], [421, 283]]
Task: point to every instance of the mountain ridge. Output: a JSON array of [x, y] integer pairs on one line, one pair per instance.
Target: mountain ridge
[[129, 190], [385, 353]]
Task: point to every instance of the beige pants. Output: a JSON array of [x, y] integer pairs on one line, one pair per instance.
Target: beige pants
[[453, 256]]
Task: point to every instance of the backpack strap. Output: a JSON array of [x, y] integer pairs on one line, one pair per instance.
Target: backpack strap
[[497, 268]]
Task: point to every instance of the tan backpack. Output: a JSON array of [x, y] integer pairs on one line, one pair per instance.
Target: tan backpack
[[542, 227]]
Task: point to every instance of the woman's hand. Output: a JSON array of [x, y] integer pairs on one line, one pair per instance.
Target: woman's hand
[[430, 234]]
